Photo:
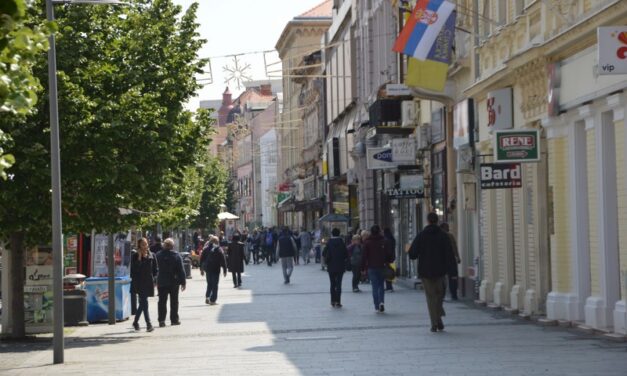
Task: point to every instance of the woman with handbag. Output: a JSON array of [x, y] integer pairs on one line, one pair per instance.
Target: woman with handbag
[[337, 261], [144, 274]]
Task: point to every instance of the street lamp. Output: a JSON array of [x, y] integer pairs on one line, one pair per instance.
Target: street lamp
[[55, 167]]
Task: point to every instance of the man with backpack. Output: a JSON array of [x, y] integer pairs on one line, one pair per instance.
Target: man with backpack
[[354, 253], [268, 246], [211, 260], [286, 248]]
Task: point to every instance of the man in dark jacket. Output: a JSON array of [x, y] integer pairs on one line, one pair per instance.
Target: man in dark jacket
[[377, 252], [211, 260], [433, 250], [235, 259], [286, 248], [336, 258], [171, 277]]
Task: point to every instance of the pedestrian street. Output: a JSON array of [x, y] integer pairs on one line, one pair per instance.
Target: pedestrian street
[[269, 328]]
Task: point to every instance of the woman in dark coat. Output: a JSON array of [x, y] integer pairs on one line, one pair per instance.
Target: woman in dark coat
[[144, 272], [235, 260], [336, 258]]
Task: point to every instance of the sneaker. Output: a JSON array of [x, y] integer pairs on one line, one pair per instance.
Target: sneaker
[[207, 301], [175, 323], [338, 305], [440, 325], [213, 303], [381, 307], [149, 328], [434, 329], [356, 290], [136, 326], [162, 324]]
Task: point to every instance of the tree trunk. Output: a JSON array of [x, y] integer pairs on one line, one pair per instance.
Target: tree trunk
[[17, 285]]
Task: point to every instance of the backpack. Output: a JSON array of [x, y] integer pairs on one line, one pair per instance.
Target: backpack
[[356, 255], [269, 239]]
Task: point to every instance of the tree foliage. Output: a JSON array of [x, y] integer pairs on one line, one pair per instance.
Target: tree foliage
[[126, 140], [19, 46]]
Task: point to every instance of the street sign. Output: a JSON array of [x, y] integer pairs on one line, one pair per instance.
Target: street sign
[[517, 146], [501, 175]]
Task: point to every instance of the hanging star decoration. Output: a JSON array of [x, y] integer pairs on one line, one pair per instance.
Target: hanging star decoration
[[236, 73]]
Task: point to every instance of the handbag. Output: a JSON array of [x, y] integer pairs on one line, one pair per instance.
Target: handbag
[[388, 273]]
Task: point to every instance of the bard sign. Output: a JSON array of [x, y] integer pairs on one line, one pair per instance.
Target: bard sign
[[516, 146], [500, 175]]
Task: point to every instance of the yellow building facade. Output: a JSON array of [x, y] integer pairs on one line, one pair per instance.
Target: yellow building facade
[[557, 245]]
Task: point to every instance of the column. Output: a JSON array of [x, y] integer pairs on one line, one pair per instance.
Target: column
[[598, 309], [619, 103], [580, 252]]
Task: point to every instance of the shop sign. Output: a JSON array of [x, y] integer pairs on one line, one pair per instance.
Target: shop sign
[[379, 158], [37, 289], [410, 181], [499, 107], [404, 150], [463, 123], [612, 49], [38, 275], [395, 193], [400, 90], [517, 146], [501, 175]]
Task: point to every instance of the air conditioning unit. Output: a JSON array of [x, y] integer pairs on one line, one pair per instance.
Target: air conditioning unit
[[409, 114], [423, 136]]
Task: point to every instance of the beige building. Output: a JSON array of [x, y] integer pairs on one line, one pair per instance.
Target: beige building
[[300, 38]]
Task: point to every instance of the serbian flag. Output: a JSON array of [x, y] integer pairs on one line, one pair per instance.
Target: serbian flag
[[422, 28]]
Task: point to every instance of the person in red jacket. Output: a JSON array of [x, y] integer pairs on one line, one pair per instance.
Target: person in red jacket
[[377, 252]]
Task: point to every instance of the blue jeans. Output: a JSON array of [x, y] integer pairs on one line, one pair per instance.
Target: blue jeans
[[142, 308], [212, 286], [376, 280]]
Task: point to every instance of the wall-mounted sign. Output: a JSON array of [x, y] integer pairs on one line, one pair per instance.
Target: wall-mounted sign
[[412, 181], [612, 49], [378, 158], [405, 193], [463, 123], [438, 131], [517, 146], [397, 90], [499, 107], [404, 150], [501, 175]]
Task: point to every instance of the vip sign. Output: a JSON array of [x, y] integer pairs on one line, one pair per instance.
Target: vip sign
[[612, 50], [500, 175], [499, 107], [517, 146]]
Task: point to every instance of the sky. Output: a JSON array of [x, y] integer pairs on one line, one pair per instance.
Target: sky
[[233, 27]]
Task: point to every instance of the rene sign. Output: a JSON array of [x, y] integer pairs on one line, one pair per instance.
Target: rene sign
[[517, 146]]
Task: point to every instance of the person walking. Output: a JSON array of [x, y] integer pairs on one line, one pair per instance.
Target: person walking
[[305, 245], [235, 260], [336, 258], [387, 234], [156, 246], [171, 277], [453, 276], [255, 240], [268, 246], [376, 253], [286, 248], [211, 261], [144, 272], [296, 238], [434, 252], [354, 254]]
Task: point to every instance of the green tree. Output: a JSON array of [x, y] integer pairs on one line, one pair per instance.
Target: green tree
[[126, 140], [19, 47]]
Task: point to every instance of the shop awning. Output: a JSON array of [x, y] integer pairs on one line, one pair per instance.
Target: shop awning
[[333, 218]]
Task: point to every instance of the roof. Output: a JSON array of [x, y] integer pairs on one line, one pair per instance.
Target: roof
[[322, 10]]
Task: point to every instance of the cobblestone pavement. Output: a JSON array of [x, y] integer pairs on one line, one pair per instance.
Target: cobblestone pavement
[[268, 328]]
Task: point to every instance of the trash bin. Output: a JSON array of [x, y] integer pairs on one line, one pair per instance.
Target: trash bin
[[75, 308], [74, 300], [187, 264]]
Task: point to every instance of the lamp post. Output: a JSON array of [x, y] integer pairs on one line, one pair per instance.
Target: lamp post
[[55, 172]]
